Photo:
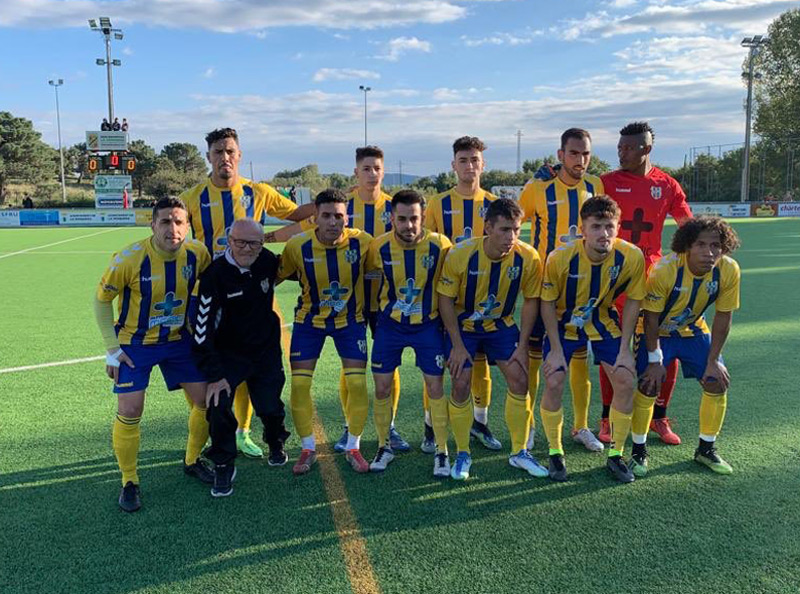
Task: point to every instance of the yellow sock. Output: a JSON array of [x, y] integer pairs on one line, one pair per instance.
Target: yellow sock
[[620, 427], [518, 419], [300, 399], [242, 407], [460, 422], [581, 389], [125, 439], [439, 419], [395, 392], [481, 382], [382, 411], [553, 422], [712, 413], [343, 393], [198, 434], [534, 363], [642, 413], [357, 399]]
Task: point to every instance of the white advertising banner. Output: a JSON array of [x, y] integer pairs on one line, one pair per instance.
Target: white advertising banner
[[9, 218], [108, 190], [89, 218], [512, 192], [789, 209], [740, 210], [710, 208], [106, 140]]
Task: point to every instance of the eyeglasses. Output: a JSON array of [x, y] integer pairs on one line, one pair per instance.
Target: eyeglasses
[[242, 243]]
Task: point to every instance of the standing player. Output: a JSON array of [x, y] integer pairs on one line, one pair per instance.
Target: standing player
[[646, 195], [154, 279], [370, 209], [581, 282], [681, 286], [409, 259], [213, 206], [459, 214], [328, 261], [554, 209], [478, 290]]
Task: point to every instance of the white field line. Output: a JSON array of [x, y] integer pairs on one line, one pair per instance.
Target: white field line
[[39, 247], [37, 253], [67, 362]]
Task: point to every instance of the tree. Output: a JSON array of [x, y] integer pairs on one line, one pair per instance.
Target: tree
[[76, 160], [146, 163], [166, 180], [185, 157], [777, 92], [23, 154]]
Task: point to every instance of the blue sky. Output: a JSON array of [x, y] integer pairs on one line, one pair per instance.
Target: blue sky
[[286, 73]]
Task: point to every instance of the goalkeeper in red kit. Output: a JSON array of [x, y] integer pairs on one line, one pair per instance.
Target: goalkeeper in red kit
[[646, 196]]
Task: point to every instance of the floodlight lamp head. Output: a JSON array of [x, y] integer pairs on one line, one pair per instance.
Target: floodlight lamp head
[[92, 24], [118, 36], [105, 22], [116, 62], [747, 41], [757, 39], [100, 62]]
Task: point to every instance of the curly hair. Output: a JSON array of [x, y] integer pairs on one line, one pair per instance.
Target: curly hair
[[220, 134], [602, 207], [636, 128], [466, 143], [687, 234]]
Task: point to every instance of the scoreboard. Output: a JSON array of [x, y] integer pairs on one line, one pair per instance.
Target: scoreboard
[[112, 162]]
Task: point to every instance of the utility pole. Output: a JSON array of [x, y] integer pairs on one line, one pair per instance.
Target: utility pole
[[753, 43], [55, 83], [400, 165], [519, 144], [365, 91]]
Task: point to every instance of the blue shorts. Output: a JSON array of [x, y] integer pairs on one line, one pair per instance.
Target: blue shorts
[[691, 351], [173, 358], [350, 341], [604, 351], [498, 345], [391, 338]]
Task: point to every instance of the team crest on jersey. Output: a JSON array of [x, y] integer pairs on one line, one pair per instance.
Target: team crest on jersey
[[513, 272], [613, 272], [712, 287], [246, 200], [351, 256], [265, 285], [386, 217], [655, 192], [187, 271], [428, 262]]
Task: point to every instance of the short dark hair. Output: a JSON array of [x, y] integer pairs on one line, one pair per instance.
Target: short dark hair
[[602, 207], [685, 235], [368, 151], [466, 143], [330, 195], [409, 198], [168, 202], [576, 133], [636, 128], [219, 134], [503, 207]]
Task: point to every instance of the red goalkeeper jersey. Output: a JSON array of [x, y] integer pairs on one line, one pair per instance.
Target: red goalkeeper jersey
[[645, 203]]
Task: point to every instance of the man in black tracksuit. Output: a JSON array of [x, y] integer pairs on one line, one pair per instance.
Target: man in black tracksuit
[[237, 338]]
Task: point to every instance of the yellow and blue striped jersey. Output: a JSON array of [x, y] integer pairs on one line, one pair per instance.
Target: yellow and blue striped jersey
[[331, 278], [681, 298], [409, 276], [375, 219], [485, 291], [458, 217], [554, 210], [154, 289], [213, 210], [585, 291]]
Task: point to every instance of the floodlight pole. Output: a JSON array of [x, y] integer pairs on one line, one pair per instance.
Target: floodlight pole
[[753, 43], [107, 35], [365, 90], [55, 83]]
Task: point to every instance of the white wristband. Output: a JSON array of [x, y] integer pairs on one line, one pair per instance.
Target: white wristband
[[655, 356], [112, 360]]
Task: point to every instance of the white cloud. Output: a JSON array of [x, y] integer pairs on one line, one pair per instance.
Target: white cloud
[[210, 72], [402, 45], [501, 38], [445, 94], [684, 57], [229, 16], [324, 74], [127, 51]]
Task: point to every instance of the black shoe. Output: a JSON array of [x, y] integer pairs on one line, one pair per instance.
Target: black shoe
[[484, 435], [223, 480], [201, 471], [277, 455], [129, 499], [616, 466], [556, 469]]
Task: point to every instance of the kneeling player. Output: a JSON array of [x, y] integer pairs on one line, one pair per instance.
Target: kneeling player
[[581, 282], [680, 288], [478, 291], [410, 260], [154, 279], [329, 263]]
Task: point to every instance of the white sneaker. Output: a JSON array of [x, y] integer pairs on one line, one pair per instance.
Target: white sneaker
[[588, 440], [441, 465], [528, 463], [531, 439], [382, 459]]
